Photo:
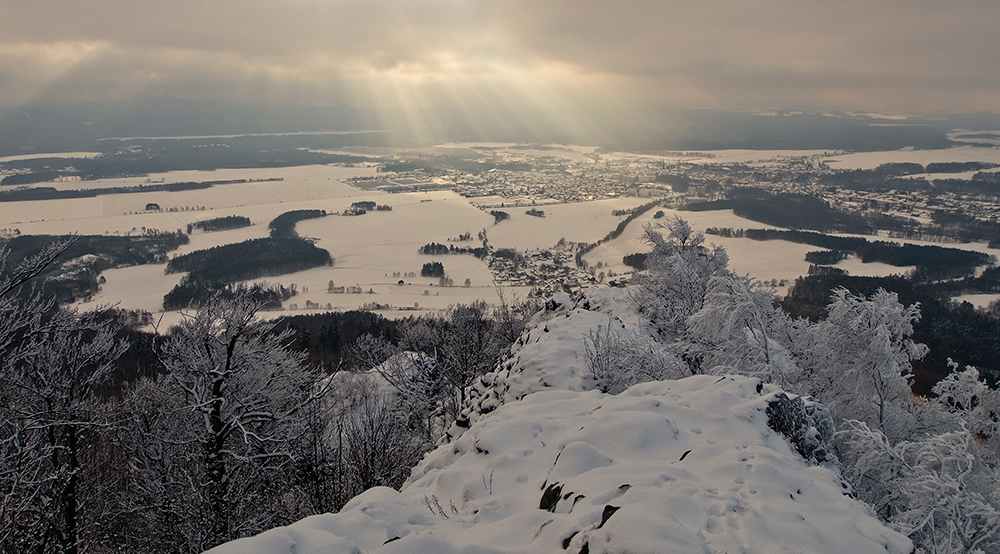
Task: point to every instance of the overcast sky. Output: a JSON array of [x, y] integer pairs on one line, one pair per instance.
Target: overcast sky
[[905, 56]]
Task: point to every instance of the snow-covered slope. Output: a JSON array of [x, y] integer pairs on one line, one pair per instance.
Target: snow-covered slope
[[690, 465]]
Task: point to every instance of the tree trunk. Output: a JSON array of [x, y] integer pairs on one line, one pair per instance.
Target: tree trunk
[[70, 516], [215, 465]]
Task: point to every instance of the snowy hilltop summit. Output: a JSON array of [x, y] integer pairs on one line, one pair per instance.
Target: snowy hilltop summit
[[552, 351], [547, 462]]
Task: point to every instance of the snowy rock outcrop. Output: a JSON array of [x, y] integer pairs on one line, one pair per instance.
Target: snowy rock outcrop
[[550, 354], [554, 465], [807, 424], [673, 466]]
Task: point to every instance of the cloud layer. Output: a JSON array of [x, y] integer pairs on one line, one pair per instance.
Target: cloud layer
[[891, 55]]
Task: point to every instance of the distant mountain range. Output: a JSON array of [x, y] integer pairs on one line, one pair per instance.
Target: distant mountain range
[[81, 126]]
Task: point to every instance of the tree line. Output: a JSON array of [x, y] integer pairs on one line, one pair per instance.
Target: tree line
[[932, 262], [636, 212], [636, 260], [284, 224], [216, 267], [194, 293], [434, 248], [141, 157], [220, 223], [76, 275], [432, 269]]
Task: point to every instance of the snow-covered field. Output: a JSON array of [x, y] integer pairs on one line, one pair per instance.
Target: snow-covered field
[[579, 222], [368, 249], [43, 155], [858, 160], [570, 152], [764, 260], [978, 300], [871, 160], [260, 201], [724, 156]]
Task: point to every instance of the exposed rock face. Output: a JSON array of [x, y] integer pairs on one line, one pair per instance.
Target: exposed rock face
[[805, 422]]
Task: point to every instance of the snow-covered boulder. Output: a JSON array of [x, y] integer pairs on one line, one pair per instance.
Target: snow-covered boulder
[[671, 466]]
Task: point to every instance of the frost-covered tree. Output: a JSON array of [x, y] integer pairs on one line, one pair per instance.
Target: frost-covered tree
[[242, 391], [380, 447], [464, 343], [160, 507], [967, 397], [420, 388], [922, 488], [361, 435], [618, 358], [862, 363], [470, 347], [736, 331], [59, 384], [53, 364], [23, 475], [510, 315], [678, 268], [53, 416]]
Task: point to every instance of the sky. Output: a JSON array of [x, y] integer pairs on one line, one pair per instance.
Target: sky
[[885, 56]]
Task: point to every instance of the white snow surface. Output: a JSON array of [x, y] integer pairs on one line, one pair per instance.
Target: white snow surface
[[871, 160], [668, 466]]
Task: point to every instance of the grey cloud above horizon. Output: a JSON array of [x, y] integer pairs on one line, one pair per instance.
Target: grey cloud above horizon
[[893, 56]]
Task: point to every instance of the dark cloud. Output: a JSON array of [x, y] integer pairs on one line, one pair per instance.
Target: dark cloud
[[889, 55]]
